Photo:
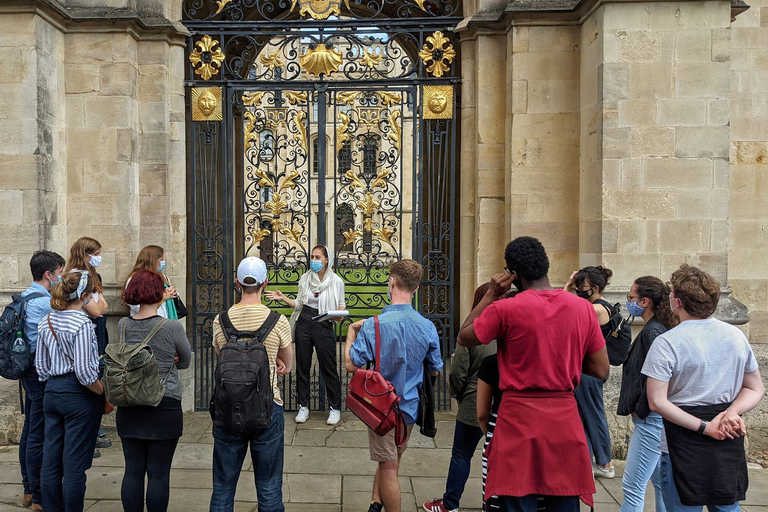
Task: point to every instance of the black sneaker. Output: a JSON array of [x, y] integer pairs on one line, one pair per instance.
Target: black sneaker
[[375, 506], [103, 442], [96, 454]]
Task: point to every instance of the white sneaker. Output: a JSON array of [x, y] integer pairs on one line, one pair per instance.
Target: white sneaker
[[601, 472], [333, 417], [303, 415]]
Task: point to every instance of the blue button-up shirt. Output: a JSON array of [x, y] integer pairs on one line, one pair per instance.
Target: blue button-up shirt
[[407, 339], [36, 310]]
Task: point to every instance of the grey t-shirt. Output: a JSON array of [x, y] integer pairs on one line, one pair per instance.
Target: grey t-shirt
[[704, 362], [169, 341]]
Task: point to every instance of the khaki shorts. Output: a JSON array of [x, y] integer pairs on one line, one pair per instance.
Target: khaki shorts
[[383, 448]]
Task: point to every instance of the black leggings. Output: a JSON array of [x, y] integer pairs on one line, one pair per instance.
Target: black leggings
[[153, 459]]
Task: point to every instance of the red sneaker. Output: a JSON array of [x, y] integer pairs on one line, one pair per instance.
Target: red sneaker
[[436, 506]]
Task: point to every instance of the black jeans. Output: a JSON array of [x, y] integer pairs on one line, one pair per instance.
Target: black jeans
[[150, 458], [321, 337], [33, 435]]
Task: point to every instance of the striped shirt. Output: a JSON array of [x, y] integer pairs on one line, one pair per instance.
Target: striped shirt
[[249, 317], [76, 350]]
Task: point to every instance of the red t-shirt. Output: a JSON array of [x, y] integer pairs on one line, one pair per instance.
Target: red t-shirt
[[542, 338]]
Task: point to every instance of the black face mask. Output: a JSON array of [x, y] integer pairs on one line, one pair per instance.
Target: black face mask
[[585, 294]]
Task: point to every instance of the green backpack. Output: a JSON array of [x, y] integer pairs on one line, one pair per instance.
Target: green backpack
[[131, 375]]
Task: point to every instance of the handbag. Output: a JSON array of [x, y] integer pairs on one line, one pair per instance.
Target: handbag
[[181, 309], [373, 399]]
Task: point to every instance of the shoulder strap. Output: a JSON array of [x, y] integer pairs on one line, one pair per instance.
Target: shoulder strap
[[261, 333], [267, 326], [378, 341], [226, 324], [160, 322], [50, 326], [33, 295]]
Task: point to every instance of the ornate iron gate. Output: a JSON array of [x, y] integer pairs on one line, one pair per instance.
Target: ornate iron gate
[[312, 122]]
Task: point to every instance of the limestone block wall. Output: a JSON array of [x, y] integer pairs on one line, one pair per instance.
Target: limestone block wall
[[748, 190]]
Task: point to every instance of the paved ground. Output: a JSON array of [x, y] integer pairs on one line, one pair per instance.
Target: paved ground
[[326, 469]]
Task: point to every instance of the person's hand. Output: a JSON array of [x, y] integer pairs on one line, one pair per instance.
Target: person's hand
[[172, 290], [280, 366], [275, 295], [337, 319], [731, 423], [500, 284], [570, 286], [356, 326], [176, 359]]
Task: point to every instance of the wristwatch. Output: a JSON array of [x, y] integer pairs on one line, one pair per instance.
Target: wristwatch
[[702, 427]]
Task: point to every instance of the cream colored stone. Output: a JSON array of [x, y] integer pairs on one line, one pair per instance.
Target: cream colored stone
[[14, 67], [546, 66], [679, 112], [652, 141], [553, 96], [153, 117], [109, 112], [631, 173], [642, 203], [638, 112], [709, 14], [520, 39], [627, 267], [702, 79], [616, 142], [683, 236], [651, 80], [153, 83], [82, 78], [697, 142], [88, 47], [626, 17], [14, 207], [639, 46], [615, 81], [721, 45], [718, 112], [677, 172], [118, 80], [628, 236], [693, 45], [697, 203]]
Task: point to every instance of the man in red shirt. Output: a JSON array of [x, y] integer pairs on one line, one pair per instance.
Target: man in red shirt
[[546, 338]]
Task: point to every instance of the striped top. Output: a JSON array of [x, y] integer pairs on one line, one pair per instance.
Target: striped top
[[76, 350], [249, 317]]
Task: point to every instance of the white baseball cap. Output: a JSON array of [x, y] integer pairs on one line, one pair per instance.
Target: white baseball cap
[[252, 267]]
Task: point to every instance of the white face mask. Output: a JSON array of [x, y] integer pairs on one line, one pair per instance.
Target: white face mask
[[95, 261]]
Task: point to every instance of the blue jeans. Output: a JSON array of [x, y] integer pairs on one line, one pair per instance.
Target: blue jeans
[[267, 456], [589, 398], [672, 499], [33, 435], [72, 417], [529, 503], [643, 464], [465, 439]]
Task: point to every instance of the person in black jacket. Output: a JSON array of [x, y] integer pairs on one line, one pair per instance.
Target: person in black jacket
[[647, 298]]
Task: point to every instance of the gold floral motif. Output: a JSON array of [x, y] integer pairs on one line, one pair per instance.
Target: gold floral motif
[[342, 134], [291, 233], [355, 179], [420, 3], [253, 99], [346, 97], [259, 234], [206, 104], [384, 233], [251, 137], [380, 179], [207, 57], [319, 9], [368, 224], [301, 135], [276, 117], [438, 101], [436, 52], [296, 97], [371, 59], [389, 99], [351, 235], [222, 4], [288, 182], [369, 116], [264, 179], [395, 129], [320, 60], [367, 204], [271, 61]]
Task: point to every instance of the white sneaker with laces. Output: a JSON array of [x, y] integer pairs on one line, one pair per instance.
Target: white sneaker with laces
[[333, 417], [303, 415]]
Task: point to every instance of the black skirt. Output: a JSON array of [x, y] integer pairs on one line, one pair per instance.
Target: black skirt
[[153, 423]]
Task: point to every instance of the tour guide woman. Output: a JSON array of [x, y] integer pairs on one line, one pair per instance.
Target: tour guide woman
[[320, 291]]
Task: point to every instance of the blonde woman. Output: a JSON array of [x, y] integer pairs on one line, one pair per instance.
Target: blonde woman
[[320, 291]]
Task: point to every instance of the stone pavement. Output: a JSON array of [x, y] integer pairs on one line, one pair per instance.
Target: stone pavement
[[326, 470]]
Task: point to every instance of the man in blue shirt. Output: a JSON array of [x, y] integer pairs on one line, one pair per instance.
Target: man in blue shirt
[[46, 267], [407, 339]]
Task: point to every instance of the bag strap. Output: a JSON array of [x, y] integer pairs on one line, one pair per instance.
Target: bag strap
[[160, 323], [401, 428], [61, 347], [378, 342], [226, 324], [267, 326], [260, 334]]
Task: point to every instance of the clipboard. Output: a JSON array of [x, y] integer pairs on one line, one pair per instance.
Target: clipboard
[[331, 314]]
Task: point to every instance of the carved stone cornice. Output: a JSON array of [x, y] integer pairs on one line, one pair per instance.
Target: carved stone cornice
[[142, 26]]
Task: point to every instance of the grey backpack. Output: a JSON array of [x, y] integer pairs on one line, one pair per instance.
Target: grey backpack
[[131, 375]]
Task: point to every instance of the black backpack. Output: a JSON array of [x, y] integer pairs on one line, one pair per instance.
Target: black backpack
[[243, 397], [619, 338], [15, 352]]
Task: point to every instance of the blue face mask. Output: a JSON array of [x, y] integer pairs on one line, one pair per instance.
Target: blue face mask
[[315, 265], [162, 266], [95, 261], [86, 302], [57, 281], [634, 309]]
